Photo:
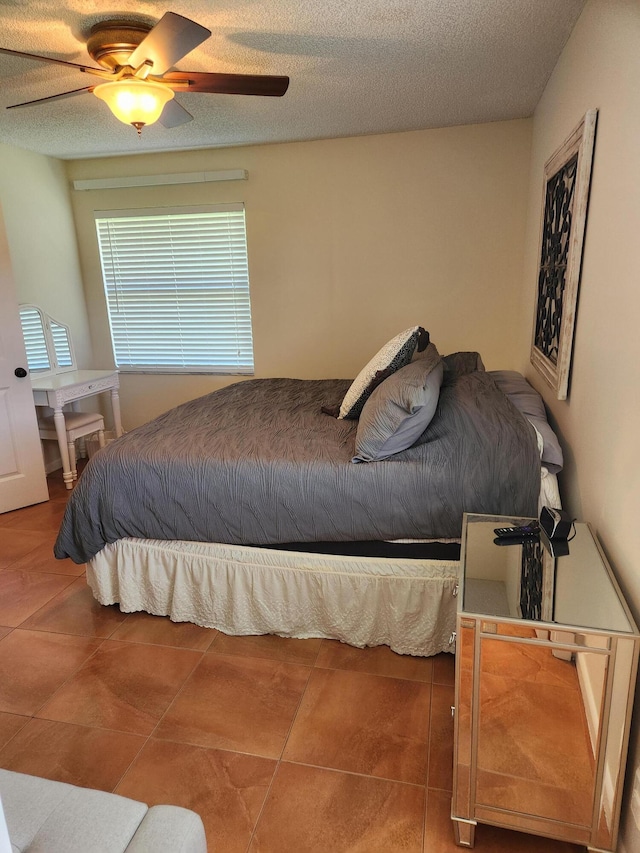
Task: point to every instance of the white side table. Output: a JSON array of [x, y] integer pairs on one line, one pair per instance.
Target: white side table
[[57, 390]]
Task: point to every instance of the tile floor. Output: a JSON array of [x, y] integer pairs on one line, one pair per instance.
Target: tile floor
[[282, 746]]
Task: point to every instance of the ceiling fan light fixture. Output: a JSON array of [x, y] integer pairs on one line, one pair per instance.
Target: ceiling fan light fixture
[[133, 101]]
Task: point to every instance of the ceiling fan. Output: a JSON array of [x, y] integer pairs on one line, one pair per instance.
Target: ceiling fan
[[135, 61]]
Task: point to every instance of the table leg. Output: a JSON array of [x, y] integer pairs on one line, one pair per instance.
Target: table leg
[[61, 433], [72, 459], [464, 832], [115, 407]]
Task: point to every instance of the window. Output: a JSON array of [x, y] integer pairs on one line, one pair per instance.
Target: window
[[47, 342], [177, 288]]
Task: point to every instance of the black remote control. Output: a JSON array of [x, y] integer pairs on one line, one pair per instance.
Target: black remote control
[[526, 530], [512, 540]]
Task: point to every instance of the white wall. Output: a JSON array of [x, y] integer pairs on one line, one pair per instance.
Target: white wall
[[350, 241], [35, 197], [600, 422]]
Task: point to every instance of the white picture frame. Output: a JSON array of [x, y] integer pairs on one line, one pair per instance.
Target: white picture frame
[[567, 177]]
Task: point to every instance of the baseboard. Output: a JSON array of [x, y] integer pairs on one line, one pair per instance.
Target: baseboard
[[53, 465]]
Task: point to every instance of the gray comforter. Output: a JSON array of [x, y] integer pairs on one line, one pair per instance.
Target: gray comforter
[[258, 463]]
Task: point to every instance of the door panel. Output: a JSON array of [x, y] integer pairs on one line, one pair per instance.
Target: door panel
[[22, 476]]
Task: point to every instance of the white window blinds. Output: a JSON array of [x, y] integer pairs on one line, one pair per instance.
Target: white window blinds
[[177, 287]]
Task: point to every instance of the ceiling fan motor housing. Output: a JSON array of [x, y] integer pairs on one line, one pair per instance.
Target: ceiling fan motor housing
[[111, 43]]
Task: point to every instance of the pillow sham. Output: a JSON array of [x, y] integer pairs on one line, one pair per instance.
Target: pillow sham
[[400, 409], [395, 354], [530, 403]]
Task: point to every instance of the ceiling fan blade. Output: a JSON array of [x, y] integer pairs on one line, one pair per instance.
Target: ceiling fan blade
[[86, 68], [228, 84], [52, 98], [174, 114], [171, 39]]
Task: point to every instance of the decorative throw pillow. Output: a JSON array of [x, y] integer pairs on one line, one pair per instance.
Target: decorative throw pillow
[[400, 409], [395, 354]]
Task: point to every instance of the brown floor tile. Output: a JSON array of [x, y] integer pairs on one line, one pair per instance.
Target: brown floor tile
[[379, 660], [316, 811], [23, 593], [161, 631], [124, 686], [489, 839], [58, 492], [34, 664], [364, 724], [444, 669], [75, 611], [441, 738], [242, 704], [367, 709], [60, 498], [41, 559], [14, 545], [10, 724], [91, 758], [41, 518], [56, 485], [226, 789], [268, 646]]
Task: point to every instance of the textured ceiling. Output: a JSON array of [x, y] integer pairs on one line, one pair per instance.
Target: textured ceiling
[[356, 67]]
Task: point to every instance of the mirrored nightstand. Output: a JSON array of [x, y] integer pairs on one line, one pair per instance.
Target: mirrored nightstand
[[546, 661]]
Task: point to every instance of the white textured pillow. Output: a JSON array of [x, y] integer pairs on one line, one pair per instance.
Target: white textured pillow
[[395, 354]]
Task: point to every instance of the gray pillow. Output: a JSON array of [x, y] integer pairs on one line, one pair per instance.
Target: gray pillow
[[391, 357], [527, 401], [400, 409]]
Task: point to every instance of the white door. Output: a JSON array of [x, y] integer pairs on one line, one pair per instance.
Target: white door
[[22, 476]]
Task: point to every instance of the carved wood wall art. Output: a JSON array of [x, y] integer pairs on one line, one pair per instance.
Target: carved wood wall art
[[567, 176]]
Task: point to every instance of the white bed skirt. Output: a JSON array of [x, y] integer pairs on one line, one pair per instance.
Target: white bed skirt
[[409, 605]]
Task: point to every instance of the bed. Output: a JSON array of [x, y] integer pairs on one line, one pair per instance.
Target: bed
[[232, 511]]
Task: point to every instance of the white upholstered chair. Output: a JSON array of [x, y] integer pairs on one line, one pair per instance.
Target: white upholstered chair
[[78, 425]]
